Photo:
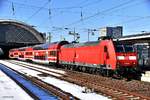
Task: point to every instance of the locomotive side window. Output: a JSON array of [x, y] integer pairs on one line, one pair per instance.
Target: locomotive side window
[[106, 51]]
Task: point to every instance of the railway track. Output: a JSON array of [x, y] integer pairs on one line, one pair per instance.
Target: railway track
[[56, 91], [92, 84], [50, 88]]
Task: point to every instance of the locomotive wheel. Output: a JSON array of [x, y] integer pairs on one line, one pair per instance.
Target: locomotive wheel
[[80, 68], [94, 70], [97, 71], [90, 70], [116, 75], [83, 69]]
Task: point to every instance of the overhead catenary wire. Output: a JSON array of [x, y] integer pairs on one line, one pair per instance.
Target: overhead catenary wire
[[133, 20], [101, 12], [79, 6], [34, 6], [83, 13], [83, 3], [29, 18], [49, 9], [91, 3]]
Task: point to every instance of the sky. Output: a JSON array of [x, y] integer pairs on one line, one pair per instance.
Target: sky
[[61, 16]]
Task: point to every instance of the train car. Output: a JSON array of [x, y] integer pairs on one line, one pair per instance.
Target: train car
[[127, 60], [89, 54], [21, 53], [41, 53], [25, 53], [14, 53], [105, 56], [11, 54], [102, 56], [48, 53], [28, 53]]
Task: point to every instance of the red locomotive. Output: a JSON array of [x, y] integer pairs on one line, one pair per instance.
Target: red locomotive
[[105, 56]]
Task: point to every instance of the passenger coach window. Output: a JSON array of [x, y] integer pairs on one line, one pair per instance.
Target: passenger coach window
[[53, 53], [28, 53], [15, 53]]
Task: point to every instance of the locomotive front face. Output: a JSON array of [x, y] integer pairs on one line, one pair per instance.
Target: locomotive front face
[[126, 56]]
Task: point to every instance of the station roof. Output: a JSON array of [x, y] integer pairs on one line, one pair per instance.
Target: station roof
[[13, 32], [136, 38]]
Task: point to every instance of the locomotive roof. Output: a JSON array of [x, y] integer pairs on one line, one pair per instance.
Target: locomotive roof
[[47, 45], [91, 43], [24, 48], [121, 43]]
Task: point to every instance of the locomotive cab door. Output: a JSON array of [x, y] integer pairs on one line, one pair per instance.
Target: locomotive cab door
[[106, 55]]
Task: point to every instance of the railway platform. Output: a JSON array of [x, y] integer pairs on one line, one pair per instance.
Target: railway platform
[[146, 77], [10, 90], [11, 83]]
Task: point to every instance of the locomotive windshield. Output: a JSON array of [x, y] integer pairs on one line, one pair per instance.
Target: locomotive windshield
[[128, 48], [124, 48], [119, 48]]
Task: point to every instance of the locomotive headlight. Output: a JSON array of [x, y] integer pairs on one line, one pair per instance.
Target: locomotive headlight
[[120, 57], [132, 57]]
